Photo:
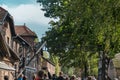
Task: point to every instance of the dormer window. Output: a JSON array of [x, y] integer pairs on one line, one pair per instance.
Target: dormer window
[[6, 25]]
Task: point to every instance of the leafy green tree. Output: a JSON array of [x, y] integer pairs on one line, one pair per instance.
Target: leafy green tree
[[84, 27], [55, 59]]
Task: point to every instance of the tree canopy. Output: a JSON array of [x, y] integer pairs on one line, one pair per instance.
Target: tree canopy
[[84, 28]]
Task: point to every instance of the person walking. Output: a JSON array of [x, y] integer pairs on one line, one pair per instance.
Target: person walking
[[24, 77], [20, 77], [47, 73], [33, 77], [54, 77], [60, 76], [40, 75], [73, 77], [89, 78]]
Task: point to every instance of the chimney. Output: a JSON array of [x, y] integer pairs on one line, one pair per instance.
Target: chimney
[[24, 24]]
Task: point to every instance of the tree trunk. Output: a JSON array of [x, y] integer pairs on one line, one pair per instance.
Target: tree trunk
[[86, 70]]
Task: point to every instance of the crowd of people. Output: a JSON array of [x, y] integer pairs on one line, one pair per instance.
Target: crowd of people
[[45, 75], [41, 75]]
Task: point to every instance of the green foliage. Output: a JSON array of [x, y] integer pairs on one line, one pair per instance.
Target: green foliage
[[93, 63], [46, 54], [84, 28], [68, 70], [36, 40], [57, 65]]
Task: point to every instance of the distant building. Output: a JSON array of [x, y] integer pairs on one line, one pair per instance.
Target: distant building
[[29, 36], [17, 48], [116, 64], [49, 64], [114, 67], [44, 60], [23, 50], [26, 34]]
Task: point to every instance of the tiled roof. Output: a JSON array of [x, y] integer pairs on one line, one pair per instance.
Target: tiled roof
[[2, 14], [24, 31]]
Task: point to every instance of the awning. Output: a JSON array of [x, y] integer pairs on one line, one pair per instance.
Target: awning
[[4, 66]]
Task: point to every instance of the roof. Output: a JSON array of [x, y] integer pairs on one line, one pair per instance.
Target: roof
[[5, 16], [23, 30], [3, 13]]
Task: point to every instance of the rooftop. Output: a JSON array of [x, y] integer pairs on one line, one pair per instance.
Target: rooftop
[[3, 13], [23, 30]]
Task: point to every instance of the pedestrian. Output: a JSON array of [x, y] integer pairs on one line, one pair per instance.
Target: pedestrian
[[79, 78], [47, 72], [89, 78], [93, 77], [54, 77], [40, 75], [73, 77], [45, 77], [66, 78], [20, 77], [6, 78], [33, 78], [60, 76], [24, 77]]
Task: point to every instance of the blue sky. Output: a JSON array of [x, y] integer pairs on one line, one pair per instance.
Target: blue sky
[[27, 11], [16, 2]]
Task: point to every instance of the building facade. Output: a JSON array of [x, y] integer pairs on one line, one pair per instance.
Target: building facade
[[49, 64], [29, 36], [9, 57], [18, 50]]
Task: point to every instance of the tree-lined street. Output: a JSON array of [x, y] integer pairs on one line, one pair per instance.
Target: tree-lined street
[[82, 41], [84, 29]]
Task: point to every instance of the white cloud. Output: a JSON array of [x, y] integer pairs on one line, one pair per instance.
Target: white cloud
[[31, 15], [27, 13]]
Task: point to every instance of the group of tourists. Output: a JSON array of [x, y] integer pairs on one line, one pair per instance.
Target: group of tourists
[[41, 75], [44, 74]]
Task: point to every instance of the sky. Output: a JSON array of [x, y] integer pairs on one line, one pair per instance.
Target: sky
[[28, 12]]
